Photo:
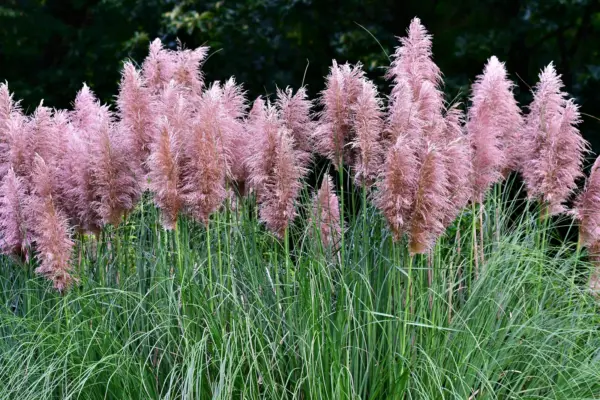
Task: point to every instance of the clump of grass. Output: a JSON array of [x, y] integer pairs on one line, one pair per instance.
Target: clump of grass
[[148, 320]]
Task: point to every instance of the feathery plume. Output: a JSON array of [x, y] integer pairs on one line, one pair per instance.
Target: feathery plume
[[14, 237], [295, 113], [368, 125], [397, 189], [431, 202], [554, 145], [494, 127], [587, 209], [234, 105], [335, 129], [137, 119], [50, 230], [187, 68], [9, 110], [165, 174], [159, 67], [326, 214]]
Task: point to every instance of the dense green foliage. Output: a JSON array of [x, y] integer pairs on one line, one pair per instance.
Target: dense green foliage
[[228, 311], [49, 47]]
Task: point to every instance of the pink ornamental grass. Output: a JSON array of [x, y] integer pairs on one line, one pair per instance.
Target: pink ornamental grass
[[587, 209], [158, 67], [14, 235], [553, 144], [326, 214], [295, 112]]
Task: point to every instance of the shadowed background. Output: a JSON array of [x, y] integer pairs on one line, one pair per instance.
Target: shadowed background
[[49, 47]]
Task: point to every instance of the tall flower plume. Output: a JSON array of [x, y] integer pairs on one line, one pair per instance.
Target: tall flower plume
[[397, 189], [165, 173], [368, 126], [14, 237], [553, 144], [295, 111], [9, 111], [334, 132], [158, 67], [326, 214], [50, 230], [137, 119], [587, 209], [233, 99], [276, 168], [187, 68], [494, 126], [430, 204]]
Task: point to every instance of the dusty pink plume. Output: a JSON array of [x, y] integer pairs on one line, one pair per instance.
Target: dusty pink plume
[[50, 230], [397, 189], [276, 168], [9, 110], [165, 173], [587, 209], [207, 160], [14, 237], [334, 132], [326, 214], [457, 159], [136, 114], [430, 204], [554, 146], [295, 112], [159, 67], [368, 127], [187, 68], [115, 183], [494, 126]]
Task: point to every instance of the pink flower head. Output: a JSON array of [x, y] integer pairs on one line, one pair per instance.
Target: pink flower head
[[368, 127], [158, 67], [430, 204], [335, 129], [14, 237], [50, 230], [397, 189], [553, 144], [587, 208], [494, 127], [326, 214], [295, 113], [187, 68]]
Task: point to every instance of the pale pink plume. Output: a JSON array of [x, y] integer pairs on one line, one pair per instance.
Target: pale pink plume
[[326, 214], [554, 146], [587, 208], [430, 202], [275, 167], [17, 152], [334, 132], [14, 237], [368, 127], [494, 126], [116, 186], [457, 158], [207, 159], [187, 68], [397, 189], [42, 135], [136, 114], [158, 67], [295, 111], [50, 230], [413, 62], [165, 173]]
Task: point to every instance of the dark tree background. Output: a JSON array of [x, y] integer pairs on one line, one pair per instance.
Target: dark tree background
[[49, 47]]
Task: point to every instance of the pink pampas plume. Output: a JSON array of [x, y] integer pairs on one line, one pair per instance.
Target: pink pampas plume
[[295, 112], [116, 187], [494, 125], [587, 209], [207, 159], [137, 117], [50, 230], [158, 67], [326, 214], [187, 68], [233, 99], [553, 144], [368, 126], [457, 158], [165, 173], [334, 132], [397, 189], [14, 237], [430, 203]]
